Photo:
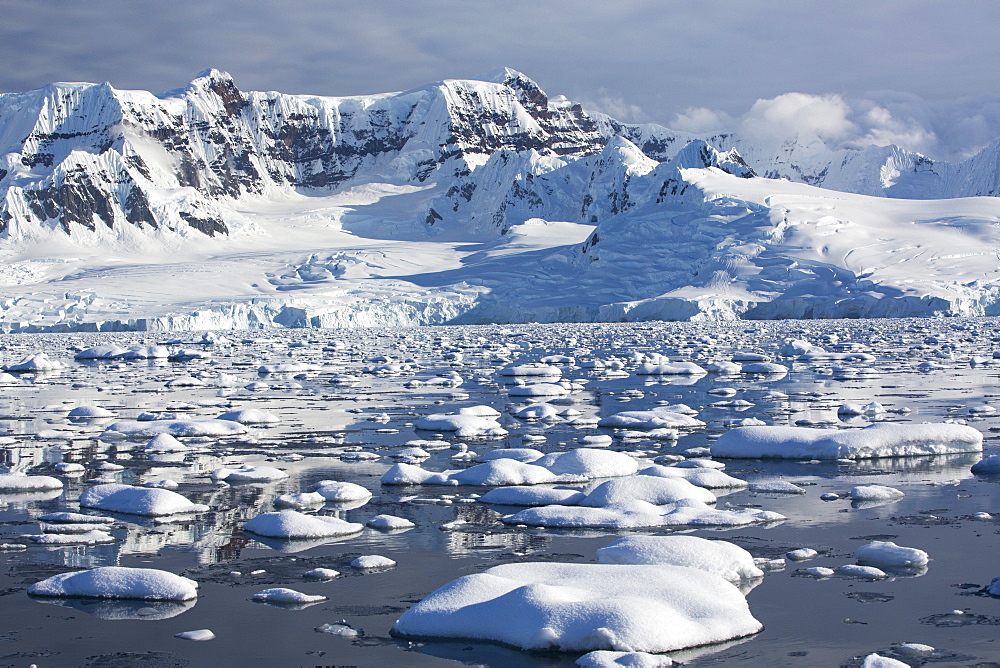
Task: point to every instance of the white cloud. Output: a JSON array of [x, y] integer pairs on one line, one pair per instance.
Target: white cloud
[[701, 120], [614, 105], [826, 117]]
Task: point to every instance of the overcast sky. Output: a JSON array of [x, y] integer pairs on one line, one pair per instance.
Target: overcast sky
[[918, 72]]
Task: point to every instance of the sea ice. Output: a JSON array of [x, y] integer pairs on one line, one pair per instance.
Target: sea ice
[[137, 500], [583, 607], [293, 525], [286, 596], [888, 554], [248, 473], [372, 562], [873, 441], [724, 559], [118, 582]]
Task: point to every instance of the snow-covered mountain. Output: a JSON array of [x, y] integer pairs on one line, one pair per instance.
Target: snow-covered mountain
[[460, 201]]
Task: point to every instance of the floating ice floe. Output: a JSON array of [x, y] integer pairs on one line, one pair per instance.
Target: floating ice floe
[[656, 418], [466, 423], [776, 487], [179, 428], [297, 501], [724, 559], [34, 363], [641, 502], [389, 523], [13, 482], [577, 465], [199, 635], [873, 441], [875, 493], [293, 525], [341, 492], [94, 537], [321, 574], [876, 660], [162, 443], [532, 496], [89, 412], [286, 596], [670, 369], [131, 500], [76, 518], [888, 554], [371, 562], [709, 478], [583, 607], [531, 370], [247, 473], [118, 582], [987, 466], [604, 658], [249, 416]]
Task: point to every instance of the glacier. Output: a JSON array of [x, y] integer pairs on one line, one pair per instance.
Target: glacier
[[460, 202]]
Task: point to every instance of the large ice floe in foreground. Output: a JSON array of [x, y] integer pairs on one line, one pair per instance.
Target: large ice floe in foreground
[[583, 607], [118, 582], [873, 441]]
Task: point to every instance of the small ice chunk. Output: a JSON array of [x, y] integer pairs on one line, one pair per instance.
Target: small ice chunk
[[372, 562], [200, 634], [286, 596], [888, 554], [875, 493], [321, 574], [801, 554], [389, 522], [879, 661], [865, 572]]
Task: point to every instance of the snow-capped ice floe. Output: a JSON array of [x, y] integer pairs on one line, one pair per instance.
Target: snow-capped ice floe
[[118, 582], [13, 482], [249, 416], [286, 596], [199, 635], [390, 523], [131, 500], [639, 514], [341, 492], [656, 418], [76, 518], [371, 562], [532, 496], [987, 466], [94, 537], [178, 428], [578, 465], [465, 424], [583, 607], [247, 473], [889, 555], [293, 525], [873, 441], [876, 493], [670, 369], [162, 443], [724, 559], [531, 370], [36, 362], [297, 501], [604, 658], [709, 478]]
